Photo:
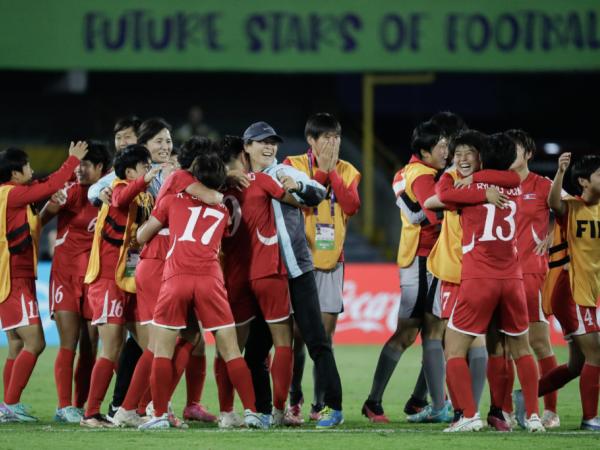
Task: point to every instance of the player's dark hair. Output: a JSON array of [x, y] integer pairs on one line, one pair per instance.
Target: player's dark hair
[[523, 139], [11, 159], [425, 136], [128, 122], [150, 128], [500, 154], [192, 148], [584, 168], [449, 122], [129, 159], [230, 147], [209, 169], [98, 153], [321, 123], [470, 138]]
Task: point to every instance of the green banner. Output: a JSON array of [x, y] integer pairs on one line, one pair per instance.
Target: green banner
[[300, 35]]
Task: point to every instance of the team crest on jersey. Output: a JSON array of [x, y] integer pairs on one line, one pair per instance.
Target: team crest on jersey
[[529, 197]]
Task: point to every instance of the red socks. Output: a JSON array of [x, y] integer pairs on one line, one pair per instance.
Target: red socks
[[161, 381], [224, 386], [195, 374], [139, 381], [546, 365], [240, 377], [21, 371], [528, 377], [63, 375], [8, 367], [181, 359], [459, 378], [83, 375], [281, 372], [555, 379], [589, 388], [101, 376]]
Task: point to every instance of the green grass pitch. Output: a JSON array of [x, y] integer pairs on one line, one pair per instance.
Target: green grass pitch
[[356, 364]]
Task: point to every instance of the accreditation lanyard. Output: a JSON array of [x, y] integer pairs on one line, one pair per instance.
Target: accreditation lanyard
[[330, 189]]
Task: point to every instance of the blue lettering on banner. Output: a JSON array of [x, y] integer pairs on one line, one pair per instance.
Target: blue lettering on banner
[[284, 31], [141, 30]]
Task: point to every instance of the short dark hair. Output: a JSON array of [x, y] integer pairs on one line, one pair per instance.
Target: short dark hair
[[150, 128], [209, 169], [230, 147], [98, 153], [11, 159], [127, 122], [129, 159], [470, 138], [500, 154], [192, 148], [584, 168], [321, 123], [523, 139], [425, 136], [449, 122]]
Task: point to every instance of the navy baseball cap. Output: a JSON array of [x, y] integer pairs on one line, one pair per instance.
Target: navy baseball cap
[[259, 131]]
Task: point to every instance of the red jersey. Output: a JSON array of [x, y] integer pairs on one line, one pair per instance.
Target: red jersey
[[17, 229], [252, 249], [75, 231], [115, 223], [195, 232], [533, 218], [175, 183], [489, 234]]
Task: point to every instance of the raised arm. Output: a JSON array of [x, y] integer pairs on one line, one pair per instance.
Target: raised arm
[[555, 202], [25, 194], [124, 195]]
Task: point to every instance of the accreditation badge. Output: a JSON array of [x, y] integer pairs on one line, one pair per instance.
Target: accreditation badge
[[325, 236], [133, 258]]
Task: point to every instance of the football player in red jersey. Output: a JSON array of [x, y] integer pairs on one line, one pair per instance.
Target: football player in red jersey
[[261, 285], [111, 268], [69, 305], [533, 240], [491, 284], [19, 231], [148, 281], [192, 278]]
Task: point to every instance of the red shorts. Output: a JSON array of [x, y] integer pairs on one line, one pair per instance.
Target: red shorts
[[534, 283], [481, 298], [273, 297], [205, 294], [449, 296], [148, 278], [69, 293], [20, 309], [242, 303], [110, 304], [574, 319]]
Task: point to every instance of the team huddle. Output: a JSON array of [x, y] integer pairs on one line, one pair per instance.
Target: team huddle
[[475, 250], [157, 245]]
